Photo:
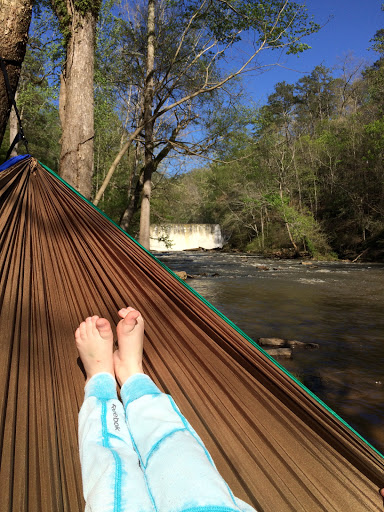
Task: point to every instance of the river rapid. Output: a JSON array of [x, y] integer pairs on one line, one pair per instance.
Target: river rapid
[[335, 304]]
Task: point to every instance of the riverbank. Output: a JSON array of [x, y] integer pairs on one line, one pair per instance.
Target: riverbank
[[371, 254]]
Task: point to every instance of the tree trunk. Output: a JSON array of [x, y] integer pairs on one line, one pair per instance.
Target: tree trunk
[[13, 129], [15, 17], [145, 211], [287, 223], [76, 104], [145, 214], [262, 229], [133, 204], [134, 191], [62, 97]]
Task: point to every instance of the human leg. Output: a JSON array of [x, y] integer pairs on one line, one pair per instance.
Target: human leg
[[112, 478], [180, 473]]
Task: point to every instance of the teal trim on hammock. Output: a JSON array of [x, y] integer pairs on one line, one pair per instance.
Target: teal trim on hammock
[[221, 315]]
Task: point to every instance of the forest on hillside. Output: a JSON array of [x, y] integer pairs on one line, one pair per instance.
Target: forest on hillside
[[300, 175]]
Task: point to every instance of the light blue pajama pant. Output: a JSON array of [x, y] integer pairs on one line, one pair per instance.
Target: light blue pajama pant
[[145, 457]]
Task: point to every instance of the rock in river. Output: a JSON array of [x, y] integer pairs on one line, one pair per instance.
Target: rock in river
[[286, 353], [302, 344], [272, 342], [279, 342]]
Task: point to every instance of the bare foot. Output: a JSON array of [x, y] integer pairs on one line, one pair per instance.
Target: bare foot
[[128, 359], [94, 341]]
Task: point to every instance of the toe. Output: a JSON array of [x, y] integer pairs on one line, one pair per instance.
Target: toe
[[83, 331], [124, 311], [131, 317], [129, 322], [94, 329], [90, 325], [103, 327]]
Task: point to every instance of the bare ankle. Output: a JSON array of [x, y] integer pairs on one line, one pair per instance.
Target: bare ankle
[[125, 373]]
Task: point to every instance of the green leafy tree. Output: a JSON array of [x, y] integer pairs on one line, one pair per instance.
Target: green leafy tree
[[176, 59]]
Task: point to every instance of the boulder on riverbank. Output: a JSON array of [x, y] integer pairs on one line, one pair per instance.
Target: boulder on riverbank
[[181, 273]]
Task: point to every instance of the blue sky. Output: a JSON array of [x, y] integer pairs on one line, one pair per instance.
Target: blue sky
[[353, 24]]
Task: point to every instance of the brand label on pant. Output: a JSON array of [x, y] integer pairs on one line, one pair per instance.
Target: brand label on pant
[[115, 418]]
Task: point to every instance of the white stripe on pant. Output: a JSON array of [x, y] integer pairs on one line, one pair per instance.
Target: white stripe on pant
[[147, 460]]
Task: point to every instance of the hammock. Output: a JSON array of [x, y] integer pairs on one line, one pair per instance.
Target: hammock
[[277, 445]]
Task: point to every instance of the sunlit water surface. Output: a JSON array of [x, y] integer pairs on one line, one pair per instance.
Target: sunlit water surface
[[337, 305]]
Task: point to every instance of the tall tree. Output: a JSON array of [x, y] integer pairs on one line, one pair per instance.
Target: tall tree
[[77, 20], [189, 39], [15, 18], [148, 125], [316, 97]]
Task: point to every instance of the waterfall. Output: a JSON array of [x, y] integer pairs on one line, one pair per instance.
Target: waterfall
[[181, 237]]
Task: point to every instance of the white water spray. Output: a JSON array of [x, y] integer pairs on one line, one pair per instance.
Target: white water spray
[[182, 237]]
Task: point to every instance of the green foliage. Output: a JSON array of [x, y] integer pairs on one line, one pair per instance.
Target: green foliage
[[375, 139], [83, 7], [378, 41], [307, 171], [41, 123], [306, 231], [302, 173], [108, 136], [63, 19], [275, 24], [37, 93], [88, 6]]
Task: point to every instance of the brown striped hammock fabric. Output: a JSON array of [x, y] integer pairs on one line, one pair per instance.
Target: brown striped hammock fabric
[[279, 448]]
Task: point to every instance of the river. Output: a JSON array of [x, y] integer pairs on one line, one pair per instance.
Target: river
[[338, 305]]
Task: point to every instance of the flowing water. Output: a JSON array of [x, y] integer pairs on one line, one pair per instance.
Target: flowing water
[[337, 305]]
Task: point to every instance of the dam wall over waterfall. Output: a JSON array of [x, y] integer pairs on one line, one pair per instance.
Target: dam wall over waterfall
[[181, 237]]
